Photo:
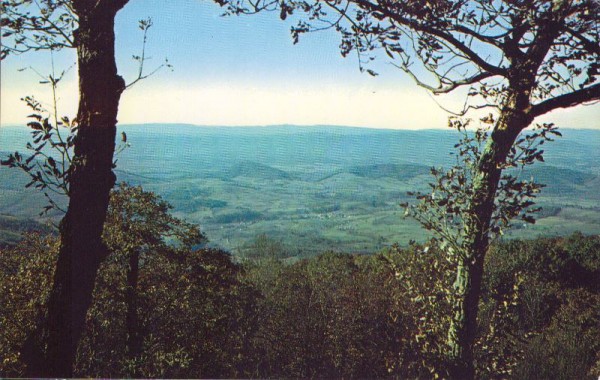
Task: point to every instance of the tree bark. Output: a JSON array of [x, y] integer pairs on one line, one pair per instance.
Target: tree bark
[[513, 119], [91, 178]]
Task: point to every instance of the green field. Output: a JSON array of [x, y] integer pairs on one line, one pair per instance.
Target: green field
[[314, 188]]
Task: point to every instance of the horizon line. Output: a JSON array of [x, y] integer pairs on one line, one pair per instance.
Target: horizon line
[[13, 125]]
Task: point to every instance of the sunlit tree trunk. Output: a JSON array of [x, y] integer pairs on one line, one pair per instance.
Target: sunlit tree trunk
[[82, 249], [469, 274]]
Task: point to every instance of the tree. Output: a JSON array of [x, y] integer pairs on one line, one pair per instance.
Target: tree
[[26, 272], [265, 248], [446, 209], [87, 26], [161, 306], [521, 59], [139, 224]]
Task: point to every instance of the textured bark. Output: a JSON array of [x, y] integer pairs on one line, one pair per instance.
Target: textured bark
[[82, 249], [467, 286]]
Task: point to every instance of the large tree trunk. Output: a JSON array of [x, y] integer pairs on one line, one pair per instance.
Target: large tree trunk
[[469, 274], [82, 249]]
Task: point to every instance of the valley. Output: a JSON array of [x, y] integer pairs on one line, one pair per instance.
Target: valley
[[313, 189]]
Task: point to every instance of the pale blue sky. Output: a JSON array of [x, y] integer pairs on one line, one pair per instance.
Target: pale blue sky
[[244, 71]]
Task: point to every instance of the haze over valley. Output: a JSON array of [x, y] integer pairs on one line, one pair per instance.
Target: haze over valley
[[313, 188]]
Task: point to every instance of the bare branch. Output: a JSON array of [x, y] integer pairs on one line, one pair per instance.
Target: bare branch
[[452, 85], [493, 40], [571, 99]]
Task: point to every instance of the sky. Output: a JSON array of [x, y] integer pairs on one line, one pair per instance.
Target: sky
[[236, 71]]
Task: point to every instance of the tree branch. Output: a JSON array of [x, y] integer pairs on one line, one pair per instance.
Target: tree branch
[[58, 29], [474, 57], [588, 94], [493, 40], [590, 46], [441, 89]]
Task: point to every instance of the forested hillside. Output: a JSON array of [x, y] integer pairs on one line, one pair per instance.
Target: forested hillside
[[201, 315]]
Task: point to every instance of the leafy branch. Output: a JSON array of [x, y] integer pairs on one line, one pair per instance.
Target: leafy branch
[[144, 26], [53, 138], [445, 209], [51, 152]]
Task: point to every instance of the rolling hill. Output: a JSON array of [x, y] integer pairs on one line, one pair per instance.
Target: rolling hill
[[314, 188]]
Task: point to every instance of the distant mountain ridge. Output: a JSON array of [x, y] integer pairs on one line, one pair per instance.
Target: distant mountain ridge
[[254, 169], [314, 187]]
